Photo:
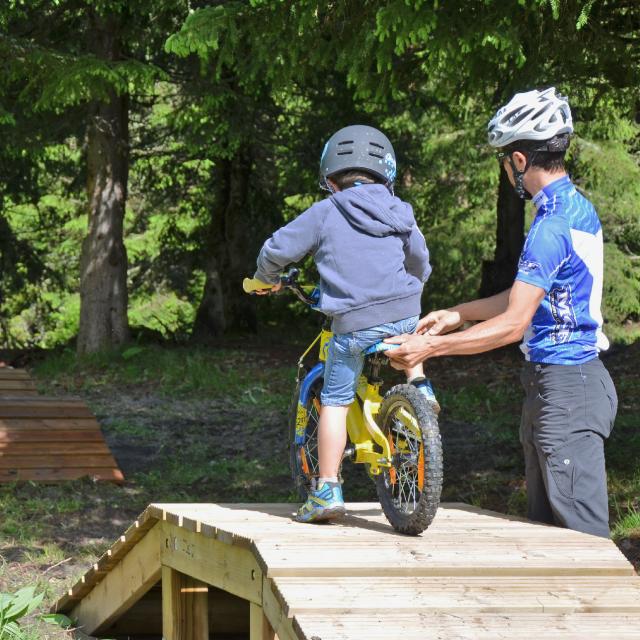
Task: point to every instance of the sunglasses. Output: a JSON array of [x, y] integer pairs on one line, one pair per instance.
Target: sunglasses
[[501, 155]]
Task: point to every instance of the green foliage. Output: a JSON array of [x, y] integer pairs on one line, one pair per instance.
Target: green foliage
[[177, 371], [610, 177], [15, 606], [261, 85]]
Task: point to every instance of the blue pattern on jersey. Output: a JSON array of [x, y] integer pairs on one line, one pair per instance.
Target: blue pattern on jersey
[[563, 255]]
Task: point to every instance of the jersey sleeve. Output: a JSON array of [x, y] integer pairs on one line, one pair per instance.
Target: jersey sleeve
[[547, 248]]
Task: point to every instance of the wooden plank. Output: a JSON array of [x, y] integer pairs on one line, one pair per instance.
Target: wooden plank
[[10, 461], [110, 474], [123, 585], [16, 384], [458, 595], [51, 435], [42, 401], [44, 411], [184, 607], [49, 448], [5, 393], [221, 565], [7, 373], [506, 626], [275, 613], [461, 579], [519, 558], [448, 547], [259, 627], [41, 424], [108, 560]]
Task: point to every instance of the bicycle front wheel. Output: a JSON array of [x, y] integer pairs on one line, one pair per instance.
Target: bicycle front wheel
[[409, 491], [303, 440]]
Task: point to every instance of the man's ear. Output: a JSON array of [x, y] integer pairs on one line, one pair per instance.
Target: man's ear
[[520, 160]]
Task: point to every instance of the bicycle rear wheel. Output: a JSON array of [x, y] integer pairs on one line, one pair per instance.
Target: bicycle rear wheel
[[303, 449], [409, 491]]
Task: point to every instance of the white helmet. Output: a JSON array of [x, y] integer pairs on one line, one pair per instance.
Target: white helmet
[[532, 115]]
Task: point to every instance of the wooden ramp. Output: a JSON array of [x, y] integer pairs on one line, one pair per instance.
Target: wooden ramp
[[48, 439], [199, 571]]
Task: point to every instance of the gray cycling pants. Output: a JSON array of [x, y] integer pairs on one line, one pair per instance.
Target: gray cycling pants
[[568, 412]]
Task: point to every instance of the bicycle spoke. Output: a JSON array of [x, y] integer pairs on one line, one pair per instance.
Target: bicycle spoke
[[405, 491]]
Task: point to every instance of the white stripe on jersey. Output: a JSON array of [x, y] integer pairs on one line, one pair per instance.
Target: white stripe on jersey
[[589, 248]]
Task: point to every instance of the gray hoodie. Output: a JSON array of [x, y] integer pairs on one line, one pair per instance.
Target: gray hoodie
[[371, 256]]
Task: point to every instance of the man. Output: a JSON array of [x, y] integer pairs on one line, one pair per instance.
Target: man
[[570, 402]]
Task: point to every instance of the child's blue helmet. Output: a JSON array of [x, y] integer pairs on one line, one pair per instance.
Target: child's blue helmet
[[359, 147]]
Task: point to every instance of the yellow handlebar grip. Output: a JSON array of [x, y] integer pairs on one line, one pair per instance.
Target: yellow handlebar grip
[[253, 284]]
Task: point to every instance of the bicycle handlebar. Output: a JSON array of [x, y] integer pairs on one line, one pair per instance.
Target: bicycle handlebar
[[288, 280]]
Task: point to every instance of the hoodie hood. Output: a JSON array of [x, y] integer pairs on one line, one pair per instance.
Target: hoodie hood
[[372, 209]]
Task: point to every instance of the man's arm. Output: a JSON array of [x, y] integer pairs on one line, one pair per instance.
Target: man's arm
[[445, 320], [504, 328]]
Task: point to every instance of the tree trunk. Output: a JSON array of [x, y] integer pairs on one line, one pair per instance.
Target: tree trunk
[[224, 305], [498, 274], [103, 264]]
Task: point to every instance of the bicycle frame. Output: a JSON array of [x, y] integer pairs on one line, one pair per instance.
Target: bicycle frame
[[370, 446]]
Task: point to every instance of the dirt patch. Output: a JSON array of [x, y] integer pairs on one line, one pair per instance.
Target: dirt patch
[[214, 449]]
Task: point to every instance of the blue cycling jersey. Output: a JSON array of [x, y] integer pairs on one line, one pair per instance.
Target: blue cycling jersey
[[563, 254]]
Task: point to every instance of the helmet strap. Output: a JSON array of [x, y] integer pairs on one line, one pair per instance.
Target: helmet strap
[[325, 186], [518, 178]]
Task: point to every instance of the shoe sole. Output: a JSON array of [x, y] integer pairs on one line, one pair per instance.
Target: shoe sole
[[334, 513]]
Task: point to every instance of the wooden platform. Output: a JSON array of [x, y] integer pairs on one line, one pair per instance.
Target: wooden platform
[[48, 439], [199, 571]]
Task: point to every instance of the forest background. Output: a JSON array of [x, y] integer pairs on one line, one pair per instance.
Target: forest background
[[148, 148]]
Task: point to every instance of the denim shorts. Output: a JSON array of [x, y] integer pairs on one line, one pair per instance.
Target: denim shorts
[[345, 359]]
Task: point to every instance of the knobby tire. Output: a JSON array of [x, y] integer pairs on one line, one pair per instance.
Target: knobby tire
[[410, 509]]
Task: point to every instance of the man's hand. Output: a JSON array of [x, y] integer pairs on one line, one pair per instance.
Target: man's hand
[[439, 322], [413, 350]]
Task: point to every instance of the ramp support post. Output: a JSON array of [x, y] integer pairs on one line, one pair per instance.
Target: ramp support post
[[259, 626], [185, 601]]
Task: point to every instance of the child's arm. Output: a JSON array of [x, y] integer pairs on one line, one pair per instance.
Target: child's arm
[[416, 260], [289, 244]]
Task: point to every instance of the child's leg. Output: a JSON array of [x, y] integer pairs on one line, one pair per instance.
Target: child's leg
[[342, 370], [416, 377], [414, 372], [332, 440]]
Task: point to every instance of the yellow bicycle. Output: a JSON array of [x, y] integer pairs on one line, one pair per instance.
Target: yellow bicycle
[[396, 436]]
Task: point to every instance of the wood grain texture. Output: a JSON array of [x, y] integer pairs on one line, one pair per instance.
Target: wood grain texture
[[49, 439], [473, 574]]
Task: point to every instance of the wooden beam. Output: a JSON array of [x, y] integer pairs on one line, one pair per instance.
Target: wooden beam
[[259, 627], [228, 616], [185, 614], [275, 613], [225, 566], [122, 586]]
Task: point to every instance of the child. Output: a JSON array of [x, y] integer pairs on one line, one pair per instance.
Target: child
[[373, 262]]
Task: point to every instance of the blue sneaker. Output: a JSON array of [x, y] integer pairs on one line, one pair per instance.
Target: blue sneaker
[[423, 385], [323, 503]]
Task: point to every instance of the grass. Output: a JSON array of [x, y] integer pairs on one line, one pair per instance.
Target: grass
[[194, 425], [173, 372]]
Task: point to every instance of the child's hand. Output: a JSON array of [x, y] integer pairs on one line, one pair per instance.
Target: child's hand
[[266, 292]]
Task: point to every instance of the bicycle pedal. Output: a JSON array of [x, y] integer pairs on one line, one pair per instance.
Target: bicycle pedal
[[349, 452]]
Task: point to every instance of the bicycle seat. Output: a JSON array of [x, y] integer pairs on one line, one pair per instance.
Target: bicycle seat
[[379, 347]]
